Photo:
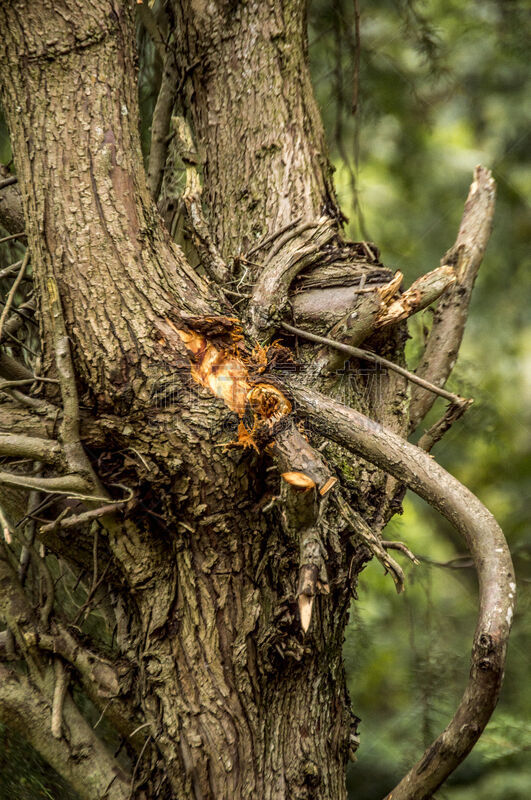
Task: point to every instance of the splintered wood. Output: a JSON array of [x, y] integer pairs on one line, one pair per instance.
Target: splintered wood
[[424, 291], [221, 364]]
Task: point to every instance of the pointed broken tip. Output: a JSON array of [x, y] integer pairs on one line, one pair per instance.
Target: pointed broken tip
[[305, 611]]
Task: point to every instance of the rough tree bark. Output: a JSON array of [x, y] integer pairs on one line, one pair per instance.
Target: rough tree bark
[[173, 474]]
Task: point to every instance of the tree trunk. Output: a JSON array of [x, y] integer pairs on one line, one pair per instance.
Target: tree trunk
[[218, 688]]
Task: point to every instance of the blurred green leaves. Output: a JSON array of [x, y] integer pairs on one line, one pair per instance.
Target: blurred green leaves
[[443, 86]]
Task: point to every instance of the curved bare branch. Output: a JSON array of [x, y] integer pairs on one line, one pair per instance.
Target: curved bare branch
[[289, 255], [73, 485], [491, 557]]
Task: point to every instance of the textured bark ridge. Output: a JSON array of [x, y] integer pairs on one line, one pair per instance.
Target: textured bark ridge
[[248, 92], [217, 531], [91, 224]]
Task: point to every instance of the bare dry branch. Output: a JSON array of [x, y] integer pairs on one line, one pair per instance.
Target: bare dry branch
[[72, 485], [12, 237], [20, 316], [29, 533], [30, 447], [7, 533], [313, 576], [366, 355], [13, 291], [304, 489], [290, 254], [75, 455], [25, 709], [402, 548], [7, 271], [8, 181], [443, 343], [430, 437], [491, 556], [81, 519]]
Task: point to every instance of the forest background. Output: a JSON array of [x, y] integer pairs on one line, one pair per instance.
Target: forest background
[[439, 86]]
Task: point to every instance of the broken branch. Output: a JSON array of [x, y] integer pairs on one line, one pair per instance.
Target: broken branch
[[430, 437], [450, 318], [82, 519]]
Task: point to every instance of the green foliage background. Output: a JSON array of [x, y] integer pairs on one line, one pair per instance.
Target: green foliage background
[[443, 85]]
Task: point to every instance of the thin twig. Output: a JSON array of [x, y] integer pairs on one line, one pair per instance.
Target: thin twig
[[366, 355], [18, 343], [81, 519], [375, 545], [29, 536], [103, 712], [6, 528], [391, 545], [6, 271], [12, 291], [272, 236], [430, 437], [135, 770], [140, 727], [19, 317], [31, 402], [9, 182], [26, 382], [46, 609], [464, 561], [95, 586]]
